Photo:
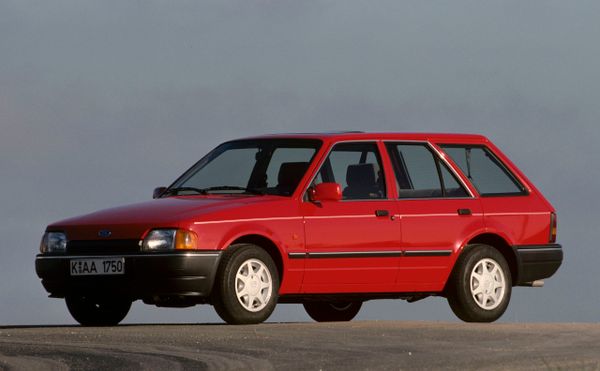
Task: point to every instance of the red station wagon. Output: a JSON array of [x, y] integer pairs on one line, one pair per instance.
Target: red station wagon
[[327, 220]]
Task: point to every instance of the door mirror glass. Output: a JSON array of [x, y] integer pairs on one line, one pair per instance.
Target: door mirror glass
[[158, 191], [325, 192]]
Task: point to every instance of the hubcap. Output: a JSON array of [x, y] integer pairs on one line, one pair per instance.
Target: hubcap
[[487, 284], [253, 285]]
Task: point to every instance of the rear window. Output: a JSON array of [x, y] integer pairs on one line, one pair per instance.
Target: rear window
[[487, 173]]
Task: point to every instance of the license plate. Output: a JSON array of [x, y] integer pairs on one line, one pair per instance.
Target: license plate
[[90, 267]]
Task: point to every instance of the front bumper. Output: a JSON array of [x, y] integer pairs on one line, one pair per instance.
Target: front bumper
[[536, 262], [147, 276]]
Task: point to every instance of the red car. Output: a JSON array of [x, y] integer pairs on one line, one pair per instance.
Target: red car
[[326, 220]]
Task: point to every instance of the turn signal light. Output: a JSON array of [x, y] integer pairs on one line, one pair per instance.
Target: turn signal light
[[185, 240]]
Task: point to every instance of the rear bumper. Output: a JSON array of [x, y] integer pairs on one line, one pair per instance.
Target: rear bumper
[[536, 262], [174, 274]]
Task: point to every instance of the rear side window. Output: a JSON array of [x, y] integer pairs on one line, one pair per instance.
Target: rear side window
[[487, 173], [420, 174]]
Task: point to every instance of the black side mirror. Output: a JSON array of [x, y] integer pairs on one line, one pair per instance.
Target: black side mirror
[[158, 192]]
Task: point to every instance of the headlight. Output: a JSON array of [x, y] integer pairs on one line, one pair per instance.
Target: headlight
[[53, 242], [170, 239]]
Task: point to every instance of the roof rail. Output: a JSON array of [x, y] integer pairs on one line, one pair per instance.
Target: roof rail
[[327, 132]]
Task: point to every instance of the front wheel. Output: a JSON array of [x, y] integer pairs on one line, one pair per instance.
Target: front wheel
[[247, 285], [480, 286], [89, 311], [332, 312]]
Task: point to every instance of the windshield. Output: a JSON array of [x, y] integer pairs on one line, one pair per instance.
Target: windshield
[[259, 166]]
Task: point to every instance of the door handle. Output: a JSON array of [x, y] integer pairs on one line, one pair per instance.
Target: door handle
[[464, 211], [382, 213]]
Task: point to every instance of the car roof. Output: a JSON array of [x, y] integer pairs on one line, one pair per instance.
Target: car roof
[[391, 136]]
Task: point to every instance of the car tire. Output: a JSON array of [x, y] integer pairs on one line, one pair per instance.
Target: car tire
[[246, 286], [480, 286], [97, 312], [332, 311]]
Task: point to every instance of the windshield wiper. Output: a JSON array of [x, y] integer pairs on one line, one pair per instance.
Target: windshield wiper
[[234, 188], [205, 191], [176, 190]]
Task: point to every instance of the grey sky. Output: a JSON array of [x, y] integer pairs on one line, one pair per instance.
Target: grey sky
[[101, 101]]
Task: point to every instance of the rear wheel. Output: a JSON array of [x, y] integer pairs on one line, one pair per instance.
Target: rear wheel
[[332, 311], [480, 286], [97, 312], [247, 285]]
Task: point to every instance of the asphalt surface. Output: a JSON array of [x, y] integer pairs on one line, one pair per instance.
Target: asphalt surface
[[303, 346]]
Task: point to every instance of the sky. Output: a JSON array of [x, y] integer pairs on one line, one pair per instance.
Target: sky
[[101, 101]]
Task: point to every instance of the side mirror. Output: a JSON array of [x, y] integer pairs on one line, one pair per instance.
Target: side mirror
[[158, 191], [325, 192]]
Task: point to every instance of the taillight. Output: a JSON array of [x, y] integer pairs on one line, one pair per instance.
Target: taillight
[[553, 226]]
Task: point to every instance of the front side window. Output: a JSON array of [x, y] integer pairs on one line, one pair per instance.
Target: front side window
[[490, 176], [356, 167], [420, 174], [262, 166]]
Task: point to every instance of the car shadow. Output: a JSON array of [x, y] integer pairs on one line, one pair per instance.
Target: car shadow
[[9, 327]]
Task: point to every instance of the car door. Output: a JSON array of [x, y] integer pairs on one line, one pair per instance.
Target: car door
[[437, 214], [352, 245]]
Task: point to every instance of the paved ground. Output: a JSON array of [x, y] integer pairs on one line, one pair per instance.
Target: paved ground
[[298, 346]]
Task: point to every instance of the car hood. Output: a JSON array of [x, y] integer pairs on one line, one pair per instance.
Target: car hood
[[132, 221]]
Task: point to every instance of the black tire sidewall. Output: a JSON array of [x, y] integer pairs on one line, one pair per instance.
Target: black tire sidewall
[[226, 302], [97, 312], [459, 294], [331, 312]]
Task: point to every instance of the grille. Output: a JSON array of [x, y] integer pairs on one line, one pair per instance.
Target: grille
[[99, 247]]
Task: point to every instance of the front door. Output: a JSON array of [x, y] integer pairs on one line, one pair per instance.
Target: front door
[[352, 245]]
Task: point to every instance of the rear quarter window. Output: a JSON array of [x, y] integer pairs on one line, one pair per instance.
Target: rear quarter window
[[487, 173]]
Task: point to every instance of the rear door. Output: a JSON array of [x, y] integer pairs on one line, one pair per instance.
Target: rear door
[[437, 213]]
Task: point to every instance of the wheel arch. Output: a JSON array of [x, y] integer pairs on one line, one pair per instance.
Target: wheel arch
[[266, 244], [501, 244]]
